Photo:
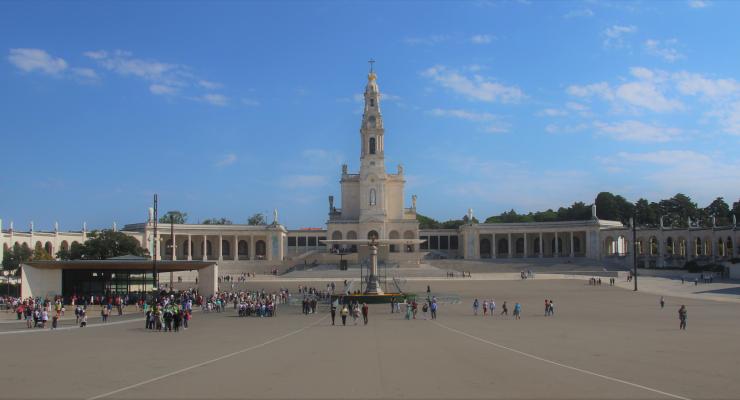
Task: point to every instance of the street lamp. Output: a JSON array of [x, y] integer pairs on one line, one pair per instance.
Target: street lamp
[[633, 222]]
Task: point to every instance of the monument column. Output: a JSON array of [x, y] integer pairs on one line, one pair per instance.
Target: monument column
[[205, 247], [236, 247]]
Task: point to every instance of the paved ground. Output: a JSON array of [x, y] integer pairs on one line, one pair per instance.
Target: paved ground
[[604, 342]]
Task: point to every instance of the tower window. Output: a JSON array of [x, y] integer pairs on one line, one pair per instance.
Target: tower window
[[372, 102], [372, 122], [372, 145]]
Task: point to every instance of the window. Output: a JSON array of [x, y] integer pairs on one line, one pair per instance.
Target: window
[[425, 245], [312, 241], [372, 102], [444, 242], [372, 122], [301, 241], [434, 242], [453, 242], [291, 241], [372, 145]]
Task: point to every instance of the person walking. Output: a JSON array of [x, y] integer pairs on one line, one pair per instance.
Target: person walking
[[492, 306], [682, 315], [504, 309], [344, 313], [552, 308], [365, 311], [517, 311], [476, 305], [424, 310], [334, 305], [662, 302], [433, 308]]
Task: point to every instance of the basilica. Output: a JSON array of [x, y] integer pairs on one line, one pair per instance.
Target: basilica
[[373, 205]]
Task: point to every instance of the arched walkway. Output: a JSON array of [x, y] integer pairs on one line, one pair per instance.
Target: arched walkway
[[243, 249], [394, 235], [409, 248], [260, 249], [485, 248]]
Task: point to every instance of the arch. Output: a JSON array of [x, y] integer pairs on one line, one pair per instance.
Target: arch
[[373, 146], [721, 248], [49, 248], [409, 248], [536, 246], [697, 247], [640, 246], [653, 246], [372, 122], [186, 247], [38, 246], [681, 247], [225, 248], [519, 246], [576, 244], [74, 242], [373, 197], [351, 235], [502, 246], [243, 248], [393, 235], [670, 246], [168, 247], [260, 248], [64, 245], [485, 248], [610, 246], [209, 248], [730, 248], [336, 235], [373, 235], [708, 247]]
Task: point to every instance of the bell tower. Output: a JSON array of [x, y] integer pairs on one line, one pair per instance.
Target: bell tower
[[371, 131]]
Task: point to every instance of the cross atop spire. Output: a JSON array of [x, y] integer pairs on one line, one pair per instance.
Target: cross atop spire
[[371, 62]]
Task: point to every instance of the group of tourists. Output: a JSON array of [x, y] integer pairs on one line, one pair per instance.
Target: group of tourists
[[528, 274], [170, 312], [259, 303], [352, 309]]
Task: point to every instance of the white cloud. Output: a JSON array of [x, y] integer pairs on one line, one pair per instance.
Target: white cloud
[[215, 99], [227, 159], [729, 117], [500, 127], [85, 73], [637, 131], [557, 128], [303, 181], [583, 13], [123, 63], [698, 3], [209, 85], [647, 95], [36, 60], [600, 89], [553, 112], [158, 89], [667, 157], [476, 87], [96, 55], [663, 49], [614, 35], [430, 40], [481, 39], [711, 89]]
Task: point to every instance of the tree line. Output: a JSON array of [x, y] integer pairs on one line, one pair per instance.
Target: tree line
[[676, 212], [180, 217]]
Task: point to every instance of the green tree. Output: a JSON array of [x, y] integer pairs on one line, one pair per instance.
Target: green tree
[[427, 222], [175, 216], [217, 221], [607, 207], [647, 213], [15, 256], [720, 210], [257, 219], [106, 244], [40, 254]]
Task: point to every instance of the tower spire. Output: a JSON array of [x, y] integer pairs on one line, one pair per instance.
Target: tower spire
[[371, 61]]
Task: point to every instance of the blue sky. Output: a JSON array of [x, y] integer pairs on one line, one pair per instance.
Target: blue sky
[[226, 109]]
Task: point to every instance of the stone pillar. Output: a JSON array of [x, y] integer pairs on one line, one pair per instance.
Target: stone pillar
[[555, 252], [236, 247], [572, 246], [174, 247], [508, 241], [494, 246], [190, 248], [542, 247], [220, 247], [252, 252], [268, 247], [205, 247], [525, 245]]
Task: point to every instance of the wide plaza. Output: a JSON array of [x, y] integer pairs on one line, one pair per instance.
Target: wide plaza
[[602, 342]]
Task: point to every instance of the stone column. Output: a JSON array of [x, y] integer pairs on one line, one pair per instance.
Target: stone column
[[205, 247], [174, 247], [572, 246], [525, 245], [236, 247], [494, 246], [252, 252], [508, 241], [542, 247], [220, 247], [190, 248], [555, 252]]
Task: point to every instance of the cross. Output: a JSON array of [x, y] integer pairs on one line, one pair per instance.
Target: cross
[[371, 61]]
